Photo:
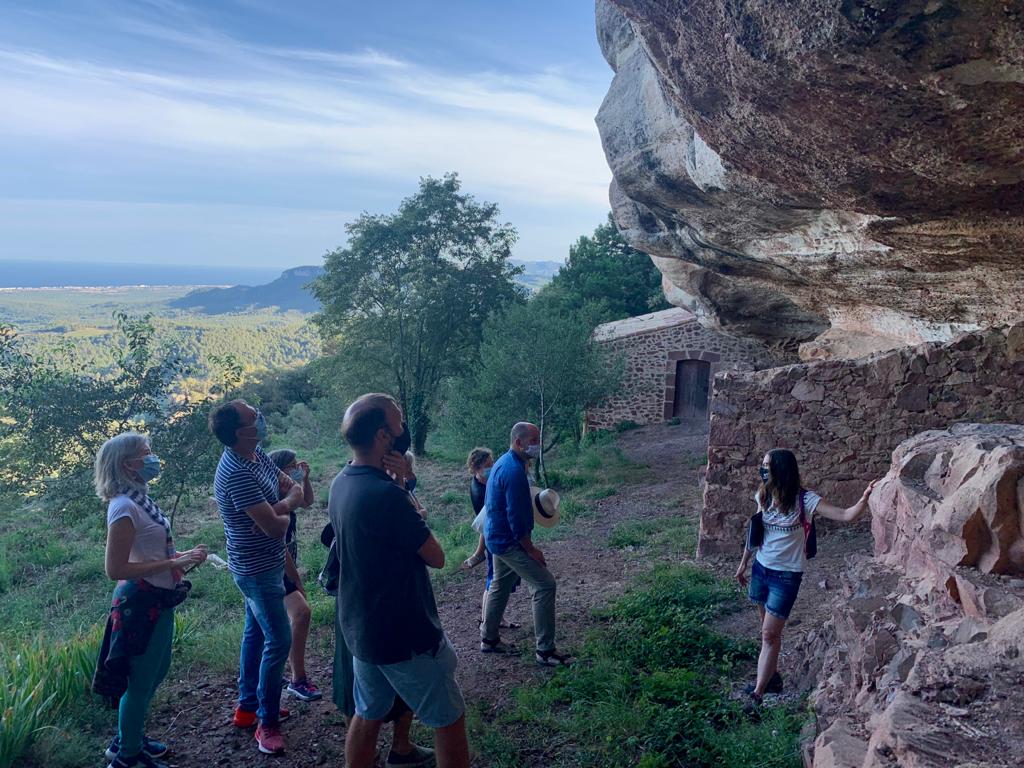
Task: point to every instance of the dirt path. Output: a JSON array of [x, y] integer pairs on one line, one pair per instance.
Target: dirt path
[[589, 574]]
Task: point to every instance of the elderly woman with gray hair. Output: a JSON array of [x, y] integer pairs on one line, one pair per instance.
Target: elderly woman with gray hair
[[142, 558]]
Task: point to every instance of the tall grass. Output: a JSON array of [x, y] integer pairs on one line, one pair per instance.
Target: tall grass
[[39, 679]]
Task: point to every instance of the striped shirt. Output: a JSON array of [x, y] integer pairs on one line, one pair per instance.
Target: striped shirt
[[238, 485]]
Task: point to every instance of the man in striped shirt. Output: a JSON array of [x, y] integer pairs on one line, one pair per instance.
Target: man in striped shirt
[[255, 500]]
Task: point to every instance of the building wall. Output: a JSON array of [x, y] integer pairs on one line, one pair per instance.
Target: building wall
[[648, 383], [843, 418]]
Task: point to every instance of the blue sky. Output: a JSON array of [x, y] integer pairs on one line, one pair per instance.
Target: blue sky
[[249, 132]]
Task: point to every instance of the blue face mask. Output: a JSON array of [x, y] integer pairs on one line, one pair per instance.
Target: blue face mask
[[296, 474], [485, 474], [150, 469], [261, 426], [765, 474]]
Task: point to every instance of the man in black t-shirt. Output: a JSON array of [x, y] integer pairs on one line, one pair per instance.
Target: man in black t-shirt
[[388, 614]]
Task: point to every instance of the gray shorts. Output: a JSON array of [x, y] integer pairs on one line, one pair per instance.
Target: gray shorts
[[426, 682]]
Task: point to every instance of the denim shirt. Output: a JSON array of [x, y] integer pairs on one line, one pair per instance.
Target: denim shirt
[[508, 502]]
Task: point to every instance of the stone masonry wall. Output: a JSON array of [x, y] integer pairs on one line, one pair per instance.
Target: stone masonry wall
[[648, 383], [843, 418]]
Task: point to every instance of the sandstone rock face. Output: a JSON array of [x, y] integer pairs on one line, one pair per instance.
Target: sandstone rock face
[[847, 174], [923, 660], [953, 498], [844, 418]]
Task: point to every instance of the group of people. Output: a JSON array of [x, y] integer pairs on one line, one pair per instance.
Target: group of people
[[393, 660]]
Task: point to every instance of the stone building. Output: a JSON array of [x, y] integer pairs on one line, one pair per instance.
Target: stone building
[[670, 361]]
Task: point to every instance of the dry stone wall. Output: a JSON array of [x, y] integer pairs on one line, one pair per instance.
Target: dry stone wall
[[843, 418], [648, 383]]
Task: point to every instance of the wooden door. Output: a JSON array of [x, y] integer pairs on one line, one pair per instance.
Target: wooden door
[[693, 379]]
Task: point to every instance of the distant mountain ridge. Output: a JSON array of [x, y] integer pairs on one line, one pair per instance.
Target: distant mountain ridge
[[290, 291], [287, 292]]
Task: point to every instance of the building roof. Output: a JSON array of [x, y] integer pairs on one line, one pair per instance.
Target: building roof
[[632, 326]]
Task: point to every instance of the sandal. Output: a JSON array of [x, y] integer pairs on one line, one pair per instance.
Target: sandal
[[472, 561]]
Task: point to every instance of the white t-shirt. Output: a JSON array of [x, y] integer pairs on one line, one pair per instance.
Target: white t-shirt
[[783, 547], [150, 542]]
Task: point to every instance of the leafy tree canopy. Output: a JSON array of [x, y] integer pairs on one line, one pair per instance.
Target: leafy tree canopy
[[536, 364], [56, 411], [405, 301], [605, 272]]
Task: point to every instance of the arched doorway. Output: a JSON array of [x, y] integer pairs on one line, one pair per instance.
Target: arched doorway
[[692, 385]]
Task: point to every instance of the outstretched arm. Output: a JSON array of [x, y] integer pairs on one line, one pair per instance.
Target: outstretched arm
[[849, 514]]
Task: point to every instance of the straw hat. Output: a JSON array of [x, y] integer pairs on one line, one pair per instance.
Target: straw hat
[[545, 506]]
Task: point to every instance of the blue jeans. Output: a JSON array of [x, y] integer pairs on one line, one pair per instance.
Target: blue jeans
[[266, 640], [775, 590]]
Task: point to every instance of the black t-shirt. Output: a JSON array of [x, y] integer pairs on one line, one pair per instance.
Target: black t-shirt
[[388, 613], [477, 492]]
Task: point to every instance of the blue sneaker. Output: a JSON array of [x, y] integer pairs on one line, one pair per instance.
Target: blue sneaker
[[150, 748]]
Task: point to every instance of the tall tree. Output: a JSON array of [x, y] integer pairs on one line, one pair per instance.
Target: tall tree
[[405, 301], [604, 271], [536, 364]]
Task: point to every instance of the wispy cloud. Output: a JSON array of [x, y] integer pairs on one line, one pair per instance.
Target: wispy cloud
[[369, 112]]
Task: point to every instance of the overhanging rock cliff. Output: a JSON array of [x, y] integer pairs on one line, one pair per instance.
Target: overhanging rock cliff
[[845, 174]]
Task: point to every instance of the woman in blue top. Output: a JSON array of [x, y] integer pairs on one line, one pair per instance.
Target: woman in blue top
[[780, 560]]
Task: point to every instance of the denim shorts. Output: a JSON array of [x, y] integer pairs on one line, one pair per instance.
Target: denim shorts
[[426, 682], [775, 590]]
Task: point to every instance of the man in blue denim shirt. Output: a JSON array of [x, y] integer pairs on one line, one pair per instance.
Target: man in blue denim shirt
[[507, 534]]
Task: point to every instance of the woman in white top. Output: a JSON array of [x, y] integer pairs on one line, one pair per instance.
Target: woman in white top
[[140, 555], [788, 510]]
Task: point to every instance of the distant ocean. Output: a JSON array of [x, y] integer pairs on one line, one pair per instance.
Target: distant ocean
[[20, 273]]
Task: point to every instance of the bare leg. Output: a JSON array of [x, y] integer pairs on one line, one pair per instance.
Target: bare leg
[[361, 743], [452, 745], [401, 743], [299, 614], [771, 644]]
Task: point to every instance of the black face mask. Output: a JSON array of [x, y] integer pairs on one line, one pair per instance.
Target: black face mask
[[403, 441], [765, 474]]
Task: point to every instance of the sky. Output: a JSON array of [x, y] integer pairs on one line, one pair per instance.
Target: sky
[[249, 132]]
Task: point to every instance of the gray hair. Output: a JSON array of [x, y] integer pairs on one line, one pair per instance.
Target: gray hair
[[110, 478]]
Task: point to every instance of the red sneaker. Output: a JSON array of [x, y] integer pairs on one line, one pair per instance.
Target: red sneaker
[[245, 719], [269, 739]]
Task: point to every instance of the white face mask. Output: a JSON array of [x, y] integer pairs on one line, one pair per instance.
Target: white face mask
[[533, 451]]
